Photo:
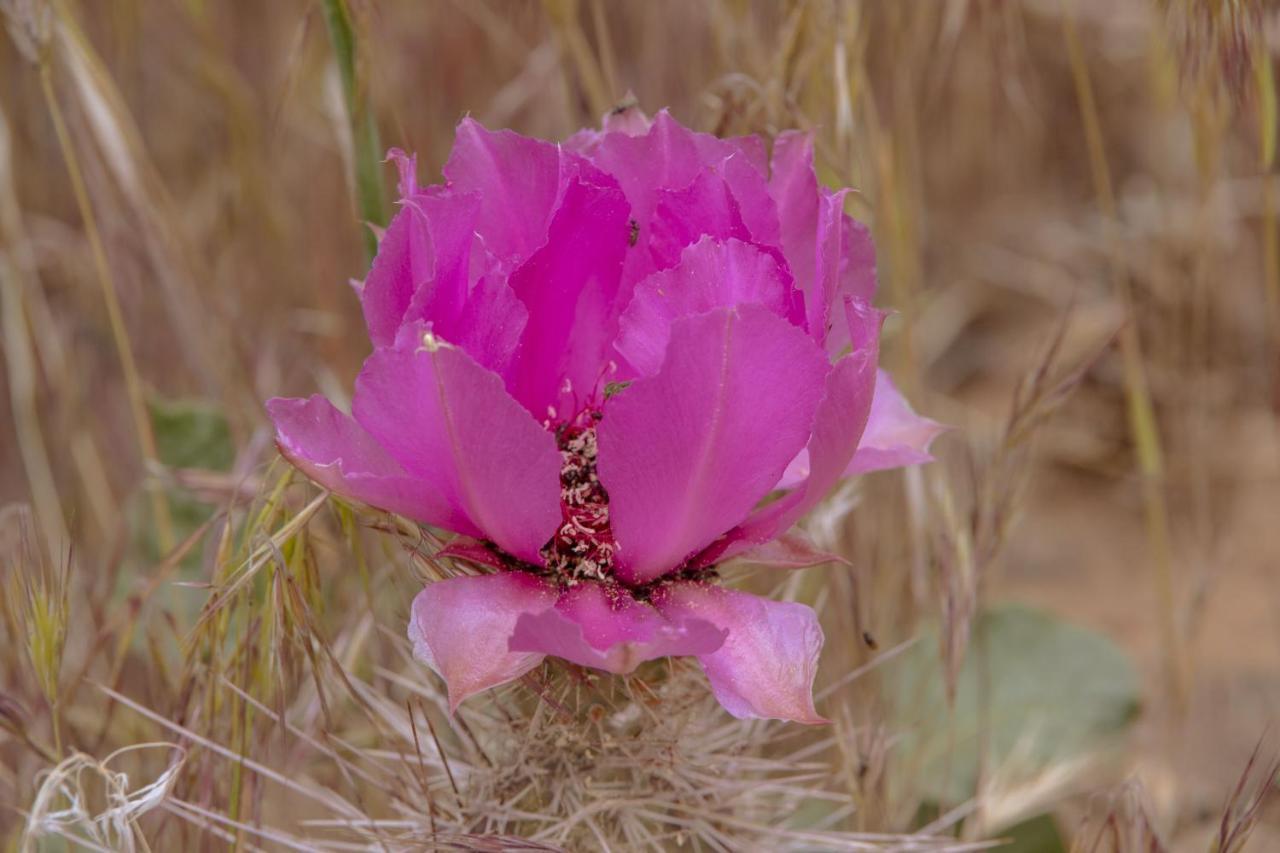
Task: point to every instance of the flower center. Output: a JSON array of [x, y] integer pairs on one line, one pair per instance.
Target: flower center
[[583, 546]]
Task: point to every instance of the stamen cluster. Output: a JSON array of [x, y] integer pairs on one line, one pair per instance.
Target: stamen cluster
[[583, 546]]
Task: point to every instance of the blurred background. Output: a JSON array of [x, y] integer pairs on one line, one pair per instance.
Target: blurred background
[[1074, 204]]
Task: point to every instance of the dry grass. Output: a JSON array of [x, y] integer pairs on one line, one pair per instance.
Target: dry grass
[[1075, 210]]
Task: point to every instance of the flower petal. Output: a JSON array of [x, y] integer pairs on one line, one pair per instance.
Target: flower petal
[[518, 180], [604, 627], [793, 550], [402, 263], [794, 186], [569, 287], [841, 419], [766, 667], [334, 451], [681, 216], [686, 453], [830, 255], [711, 273], [895, 436], [450, 422], [459, 627]]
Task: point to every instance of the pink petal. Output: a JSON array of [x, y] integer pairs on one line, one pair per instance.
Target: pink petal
[[792, 550], [711, 274], [846, 268], [488, 325], [686, 453], [830, 255], [474, 551], [604, 627], [841, 419], [569, 287], [460, 628], [402, 263], [630, 120], [751, 191], [334, 451], [895, 436], [518, 180], [766, 667], [705, 206], [450, 422], [422, 266], [407, 167], [794, 186], [666, 157]]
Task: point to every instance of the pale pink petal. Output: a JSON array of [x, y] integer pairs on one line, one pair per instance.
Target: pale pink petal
[[334, 451], [604, 627], [841, 420], [711, 274], [686, 453], [460, 627], [569, 287], [895, 436], [518, 180], [793, 550], [449, 422], [766, 667]]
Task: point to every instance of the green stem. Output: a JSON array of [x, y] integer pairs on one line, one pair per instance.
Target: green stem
[[366, 146]]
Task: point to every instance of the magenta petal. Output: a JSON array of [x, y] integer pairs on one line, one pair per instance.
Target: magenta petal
[[450, 423], [403, 261], [334, 451], [686, 453], [711, 274], [473, 551], [830, 255], [841, 420], [518, 180], [895, 436], [606, 628], [569, 287], [705, 206], [630, 120], [794, 186], [421, 269], [766, 667], [460, 628], [488, 326], [665, 157], [846, 270]]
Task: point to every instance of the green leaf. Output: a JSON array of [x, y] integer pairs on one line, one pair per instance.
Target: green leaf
[[191, 434], [1034, 691], [365, 142]]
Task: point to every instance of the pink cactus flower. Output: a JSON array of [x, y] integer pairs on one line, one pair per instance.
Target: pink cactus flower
[[609, 366]]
